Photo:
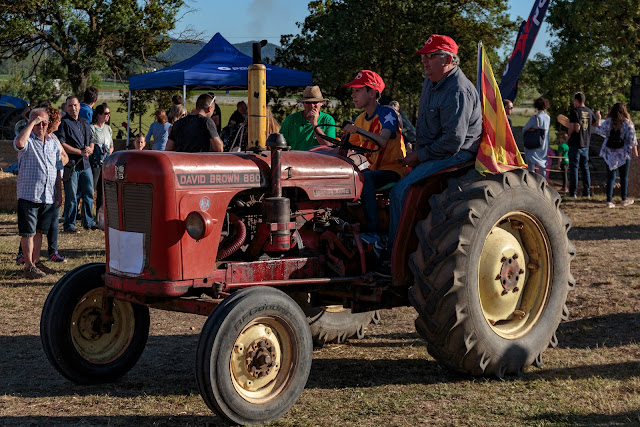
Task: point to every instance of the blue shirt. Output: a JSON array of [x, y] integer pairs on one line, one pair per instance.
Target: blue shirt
[[160, 134], [86, 112], [449, 117], [38, 166]]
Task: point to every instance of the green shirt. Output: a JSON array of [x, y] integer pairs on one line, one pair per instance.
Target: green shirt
[[563, 151], [298, 131]]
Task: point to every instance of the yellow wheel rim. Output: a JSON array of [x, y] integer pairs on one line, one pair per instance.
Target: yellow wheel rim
[[93, 345], [262, 359], [514, 274]]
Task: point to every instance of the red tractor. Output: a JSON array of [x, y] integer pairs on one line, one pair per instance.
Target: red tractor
[[266, 244]]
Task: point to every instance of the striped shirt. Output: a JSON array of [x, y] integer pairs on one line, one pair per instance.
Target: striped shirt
[[39, 163]]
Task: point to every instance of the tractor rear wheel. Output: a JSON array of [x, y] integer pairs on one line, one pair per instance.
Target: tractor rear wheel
[[254, 356], [334, 323], [73, 337], [492, 273]]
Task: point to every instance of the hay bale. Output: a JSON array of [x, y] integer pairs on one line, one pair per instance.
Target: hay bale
[[634, 178], [8, 186]]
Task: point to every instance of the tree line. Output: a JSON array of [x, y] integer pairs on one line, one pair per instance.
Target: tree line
[[594, 50]]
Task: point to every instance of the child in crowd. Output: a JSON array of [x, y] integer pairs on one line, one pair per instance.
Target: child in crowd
[[563, 161], [139, 142]]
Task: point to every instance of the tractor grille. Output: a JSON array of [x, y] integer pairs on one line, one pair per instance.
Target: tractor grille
[[111, 204], [137, 205]]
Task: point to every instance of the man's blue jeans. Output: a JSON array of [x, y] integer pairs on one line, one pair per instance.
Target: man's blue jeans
[[80, 184], [423, 170], [372, 181], [624, 180], [579, 157]]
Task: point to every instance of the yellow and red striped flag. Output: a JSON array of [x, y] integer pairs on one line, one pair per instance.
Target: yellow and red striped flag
[[498, 150]]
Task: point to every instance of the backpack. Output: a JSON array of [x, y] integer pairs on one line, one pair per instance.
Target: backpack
[[615, 141]]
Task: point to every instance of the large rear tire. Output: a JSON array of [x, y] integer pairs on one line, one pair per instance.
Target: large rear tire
[[492, 273], [254, 356], [72, 336], [334, 323]]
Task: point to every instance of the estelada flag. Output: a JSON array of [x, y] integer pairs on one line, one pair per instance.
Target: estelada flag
[[498, 150]]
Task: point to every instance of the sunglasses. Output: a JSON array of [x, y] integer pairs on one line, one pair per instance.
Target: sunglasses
[[312, 102], [106, 113], [432, 54]]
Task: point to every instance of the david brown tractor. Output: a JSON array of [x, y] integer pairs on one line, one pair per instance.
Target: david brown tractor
[[266, 244]]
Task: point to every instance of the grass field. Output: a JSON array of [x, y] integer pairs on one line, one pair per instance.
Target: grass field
[[591, 379]]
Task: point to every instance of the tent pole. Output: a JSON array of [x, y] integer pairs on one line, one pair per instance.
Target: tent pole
[[184, 95], [128, 120]]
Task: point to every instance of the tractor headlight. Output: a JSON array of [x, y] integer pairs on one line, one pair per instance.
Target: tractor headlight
[[199, 224]]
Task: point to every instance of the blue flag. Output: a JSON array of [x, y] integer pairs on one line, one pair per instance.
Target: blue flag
[[524, 42]]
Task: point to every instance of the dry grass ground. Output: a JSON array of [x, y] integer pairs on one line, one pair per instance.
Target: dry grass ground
[[592, 378]]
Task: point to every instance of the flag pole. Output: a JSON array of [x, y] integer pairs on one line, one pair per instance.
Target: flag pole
[[479, 75]]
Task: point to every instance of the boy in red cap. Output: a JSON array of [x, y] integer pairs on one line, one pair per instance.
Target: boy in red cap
[[376, 128]]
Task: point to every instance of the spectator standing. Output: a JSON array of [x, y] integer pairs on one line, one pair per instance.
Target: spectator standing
[[216, 116], [508, 109], [538, 157], [449, 127], [580, 120], [299, 129], [196, 132], [176, 112], [159, 131], [38, 178], [52, 233], [102, 139], [620, 141], [177, 100], [376, 128], [240, 115], [75, 135], [89, 99]]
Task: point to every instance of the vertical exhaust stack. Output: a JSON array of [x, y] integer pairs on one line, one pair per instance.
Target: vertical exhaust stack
[[277, 210], [257, 120]]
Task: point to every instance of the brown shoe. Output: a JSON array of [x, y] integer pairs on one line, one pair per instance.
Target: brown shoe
[[32, 272], [46, 270]]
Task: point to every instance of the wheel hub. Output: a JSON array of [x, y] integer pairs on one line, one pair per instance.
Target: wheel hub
[[260, 358], [510, 274]]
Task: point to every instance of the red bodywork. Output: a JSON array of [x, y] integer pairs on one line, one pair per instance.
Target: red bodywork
[[151, 259]]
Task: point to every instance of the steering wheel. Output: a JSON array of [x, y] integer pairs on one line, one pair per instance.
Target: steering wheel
[[344, 141]]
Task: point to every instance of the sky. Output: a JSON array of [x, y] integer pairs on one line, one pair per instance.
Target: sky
[[245, 20]]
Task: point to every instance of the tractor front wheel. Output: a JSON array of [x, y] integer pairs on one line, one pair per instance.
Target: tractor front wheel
[[492, 273], [254, 356], [73, 335]]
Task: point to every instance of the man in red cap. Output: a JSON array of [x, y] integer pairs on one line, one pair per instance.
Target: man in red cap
[[376, 128], [449, 127]]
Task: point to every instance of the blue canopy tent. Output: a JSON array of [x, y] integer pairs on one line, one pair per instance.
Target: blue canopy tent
[[217, 65]]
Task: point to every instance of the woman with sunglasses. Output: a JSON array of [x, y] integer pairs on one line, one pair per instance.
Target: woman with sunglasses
[[102, 138]]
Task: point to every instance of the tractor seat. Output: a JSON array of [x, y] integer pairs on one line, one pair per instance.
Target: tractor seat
[[386, 188]]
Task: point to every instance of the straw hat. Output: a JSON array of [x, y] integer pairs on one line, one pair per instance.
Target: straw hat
[[312, 94]]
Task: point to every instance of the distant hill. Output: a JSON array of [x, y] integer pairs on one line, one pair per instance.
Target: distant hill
[[180, 51]]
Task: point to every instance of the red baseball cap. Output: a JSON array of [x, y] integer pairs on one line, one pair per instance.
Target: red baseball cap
[[438, 42], [367, 78]]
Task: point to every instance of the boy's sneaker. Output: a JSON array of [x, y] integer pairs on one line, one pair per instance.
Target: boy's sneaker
[[32, 272], [610, 205], [375, 241], [20, 259], [46, 270], [56, 257], [627, 202]]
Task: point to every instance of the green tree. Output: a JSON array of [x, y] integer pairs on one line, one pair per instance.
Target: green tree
[[87, 35], [596, 52], [341, 37]]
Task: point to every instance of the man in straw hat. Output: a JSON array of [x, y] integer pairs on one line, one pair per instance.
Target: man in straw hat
[[298, 128]]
